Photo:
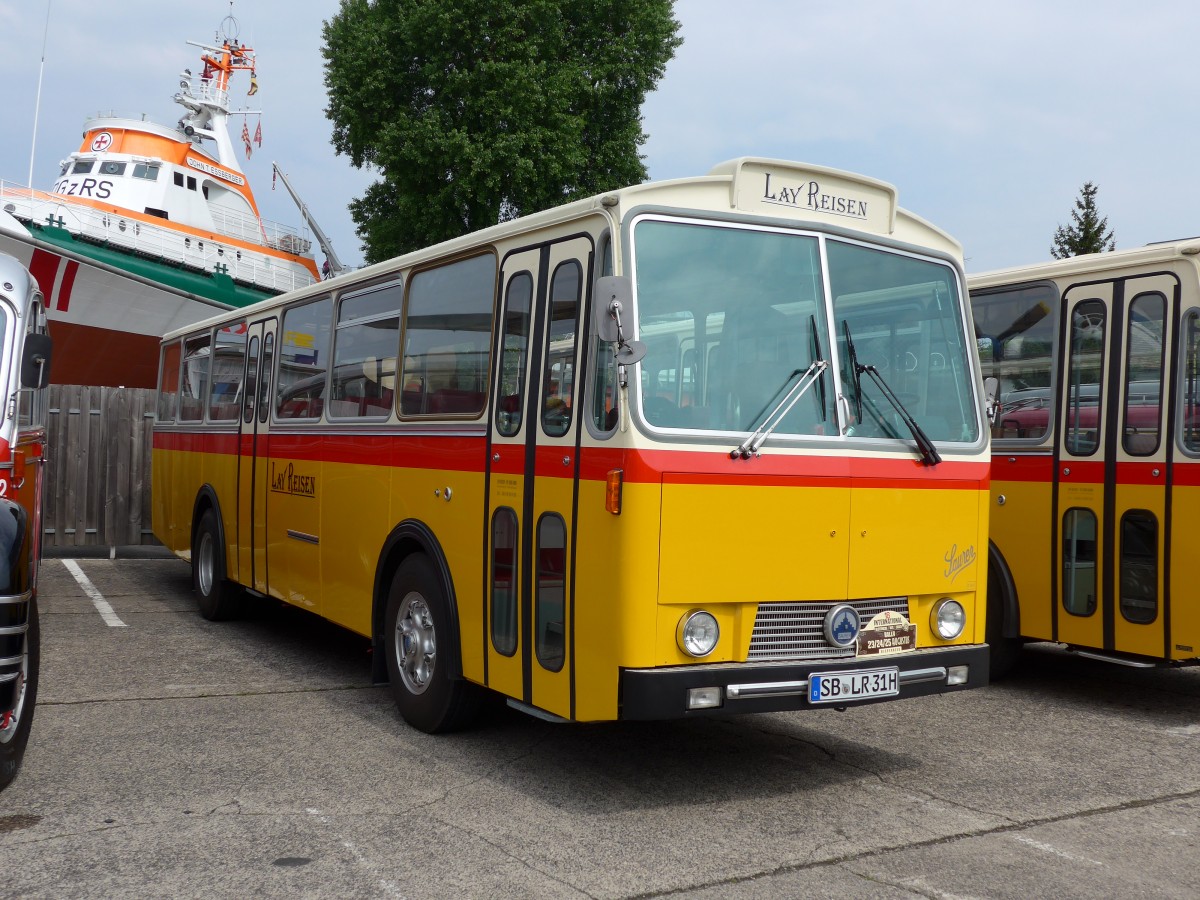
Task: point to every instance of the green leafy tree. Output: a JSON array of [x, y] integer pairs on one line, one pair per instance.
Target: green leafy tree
[[1087, 233], [476, 111]]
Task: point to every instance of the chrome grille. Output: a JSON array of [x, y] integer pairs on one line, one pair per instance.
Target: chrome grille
[[796, 630]]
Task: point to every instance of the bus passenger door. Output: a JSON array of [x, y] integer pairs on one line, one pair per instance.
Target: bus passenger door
[[532, 476], [254, 456], [1113, 450], [1144, 451]]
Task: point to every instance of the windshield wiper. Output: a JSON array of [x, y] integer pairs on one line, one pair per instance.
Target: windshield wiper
[[808, 378], [929, 454], [855, 370]]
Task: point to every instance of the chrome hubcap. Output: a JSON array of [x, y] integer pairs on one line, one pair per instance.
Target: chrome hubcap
[[204, 563], [415, 643]]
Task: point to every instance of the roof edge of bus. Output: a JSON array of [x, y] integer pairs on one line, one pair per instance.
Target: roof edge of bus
[[1089, 262], [730, 168], [600, 204]]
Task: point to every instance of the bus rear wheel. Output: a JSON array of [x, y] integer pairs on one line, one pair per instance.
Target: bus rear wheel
[[16, 722], [422, 650], [216, 597]]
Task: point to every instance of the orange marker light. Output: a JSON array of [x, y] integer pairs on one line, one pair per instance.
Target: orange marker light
[[612, 491]]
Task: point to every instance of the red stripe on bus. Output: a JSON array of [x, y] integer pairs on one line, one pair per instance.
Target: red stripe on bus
[[639, 466], [197, 441], [685, 467], [1037, 469], [413, 452], [1186, 475], [1142, 473]]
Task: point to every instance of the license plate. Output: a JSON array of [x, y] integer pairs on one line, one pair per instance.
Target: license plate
[[845, 687]]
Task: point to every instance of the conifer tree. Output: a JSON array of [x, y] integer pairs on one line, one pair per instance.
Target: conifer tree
[[1087, 233]]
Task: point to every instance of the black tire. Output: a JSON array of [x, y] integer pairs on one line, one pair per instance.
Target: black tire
[[217, 598], [19, 719], [422, 649], [1003, 652]]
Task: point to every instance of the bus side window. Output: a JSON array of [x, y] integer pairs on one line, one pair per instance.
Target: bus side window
[[194, 387], [168, 382], [447, 338], [514, 349], [1016, 330], [264, 385], [1144, 374], [228, 365], [303, 360], [1191, 383], [1085, 367], [604, 387], [558, 384], [364, 354]]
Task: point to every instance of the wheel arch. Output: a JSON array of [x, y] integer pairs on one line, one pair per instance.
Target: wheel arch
[[206, 499], [1000, 580], [16, 549], [409, 537]]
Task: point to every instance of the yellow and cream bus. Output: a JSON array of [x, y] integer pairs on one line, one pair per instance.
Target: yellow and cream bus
[[1096, 453], [712, 445]]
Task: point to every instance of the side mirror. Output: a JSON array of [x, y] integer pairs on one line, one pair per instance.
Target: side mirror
[[609, 290], [35, 361], [991, 387], [614, 294]]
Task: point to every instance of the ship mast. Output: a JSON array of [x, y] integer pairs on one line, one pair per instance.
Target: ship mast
[[207, 100]]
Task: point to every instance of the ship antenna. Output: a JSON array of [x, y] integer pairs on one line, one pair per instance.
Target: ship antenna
[[37, 106], [230, 27]]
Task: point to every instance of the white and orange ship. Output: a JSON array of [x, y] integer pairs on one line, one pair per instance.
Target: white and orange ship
[[149, 228]]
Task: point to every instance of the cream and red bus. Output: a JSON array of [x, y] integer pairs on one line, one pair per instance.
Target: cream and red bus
[[712, 445], [24, 375], [1096, 453]]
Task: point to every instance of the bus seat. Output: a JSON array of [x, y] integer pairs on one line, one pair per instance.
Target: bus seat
[[1141, 443], [455, 400], [296, 408], [411, 402], [379, 405]]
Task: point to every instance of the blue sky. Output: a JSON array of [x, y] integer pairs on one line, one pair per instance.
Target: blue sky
[[987, 117]]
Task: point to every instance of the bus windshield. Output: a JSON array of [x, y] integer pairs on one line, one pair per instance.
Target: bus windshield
[[733, 315]]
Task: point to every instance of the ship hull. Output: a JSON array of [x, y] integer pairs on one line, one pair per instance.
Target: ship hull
[[106, 322]]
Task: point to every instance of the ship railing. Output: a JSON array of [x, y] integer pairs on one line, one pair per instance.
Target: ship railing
[[146, 239], [251, 228]]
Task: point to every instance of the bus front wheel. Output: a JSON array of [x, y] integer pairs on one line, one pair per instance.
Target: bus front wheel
[[16, 722], [215, 596], [421, 651], [1004, 652]]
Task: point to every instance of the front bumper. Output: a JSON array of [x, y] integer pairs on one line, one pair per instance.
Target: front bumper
[[774, 687]]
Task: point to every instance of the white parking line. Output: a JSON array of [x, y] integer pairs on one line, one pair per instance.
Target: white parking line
[[1049, 848], [110, 618]]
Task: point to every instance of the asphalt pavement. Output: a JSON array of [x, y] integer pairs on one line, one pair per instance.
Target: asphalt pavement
[[175, 757]]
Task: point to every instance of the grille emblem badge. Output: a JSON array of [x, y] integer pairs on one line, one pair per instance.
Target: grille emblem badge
[[842, 626]]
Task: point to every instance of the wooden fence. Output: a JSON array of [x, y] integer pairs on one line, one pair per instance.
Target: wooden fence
[[97, 490]]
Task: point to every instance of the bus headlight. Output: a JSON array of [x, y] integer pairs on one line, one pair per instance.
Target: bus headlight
[[948, 619], [697, 633]]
